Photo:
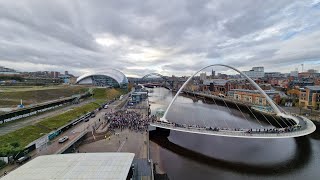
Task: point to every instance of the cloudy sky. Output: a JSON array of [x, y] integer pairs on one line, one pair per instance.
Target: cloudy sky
[[168, 37]]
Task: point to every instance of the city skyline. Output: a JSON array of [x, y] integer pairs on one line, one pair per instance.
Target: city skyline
[[140, 38]]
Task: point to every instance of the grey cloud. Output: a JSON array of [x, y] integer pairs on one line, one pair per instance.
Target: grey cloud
[[189, 34]]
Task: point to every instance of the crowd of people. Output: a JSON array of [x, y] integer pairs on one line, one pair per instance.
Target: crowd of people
[[132, 120], [250, 131]]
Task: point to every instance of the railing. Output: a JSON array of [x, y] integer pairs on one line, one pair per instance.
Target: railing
[[278, 132], [71, 143]]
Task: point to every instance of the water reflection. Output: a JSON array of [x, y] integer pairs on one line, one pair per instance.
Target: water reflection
[[300, 159], [188, 156]]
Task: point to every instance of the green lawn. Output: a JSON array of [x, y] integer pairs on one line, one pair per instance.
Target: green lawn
[[102, 95], [64, 118], [23, 137], [12, 96], [26, 135]]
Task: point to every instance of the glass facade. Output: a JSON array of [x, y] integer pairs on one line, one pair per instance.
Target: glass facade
[[107, 78], [104, 81]]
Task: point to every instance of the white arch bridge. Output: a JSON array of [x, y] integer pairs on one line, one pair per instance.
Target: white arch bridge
[[291, 126]]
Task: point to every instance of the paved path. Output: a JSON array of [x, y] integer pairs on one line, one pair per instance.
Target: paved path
[[54, 146], [12, 126], [126, 141], [307, 127], [315, 116], [121, 146]]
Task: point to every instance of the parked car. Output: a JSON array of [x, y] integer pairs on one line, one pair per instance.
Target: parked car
[[23, 159], [106, 106], [63, 139], [93, 115], [86, 119]]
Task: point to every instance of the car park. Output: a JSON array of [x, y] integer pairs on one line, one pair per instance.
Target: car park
[[63, 139]]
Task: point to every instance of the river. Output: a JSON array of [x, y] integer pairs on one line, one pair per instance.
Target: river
[[191, 156]]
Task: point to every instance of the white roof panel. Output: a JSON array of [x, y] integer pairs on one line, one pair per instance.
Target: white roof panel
[[75, 166], [113, 73]]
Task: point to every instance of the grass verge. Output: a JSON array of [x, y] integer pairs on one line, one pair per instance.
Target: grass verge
[[57, 121], [15, 141], [37, 95]]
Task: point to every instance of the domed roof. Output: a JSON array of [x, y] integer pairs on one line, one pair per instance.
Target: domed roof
[[113, 73]]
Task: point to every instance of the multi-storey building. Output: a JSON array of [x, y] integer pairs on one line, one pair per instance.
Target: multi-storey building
[[310, 97], [255, 72], [203, 76], [253, 96]]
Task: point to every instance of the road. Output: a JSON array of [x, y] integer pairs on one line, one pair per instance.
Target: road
[[126, 141], [15, 125], [73, 133]]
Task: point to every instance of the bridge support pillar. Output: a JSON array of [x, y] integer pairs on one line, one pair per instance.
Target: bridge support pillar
[[159, 132]]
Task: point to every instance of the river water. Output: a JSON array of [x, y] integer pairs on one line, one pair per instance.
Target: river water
[[192, 156]]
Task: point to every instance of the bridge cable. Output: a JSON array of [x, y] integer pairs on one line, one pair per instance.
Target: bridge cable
[[214, 124], [233, 117], [188, 119], [194, 121], [194, 98], [283, 111], [241, 111], [278, 121], [204, 123], [253, 114], [266, 118], [281, 120], [220, 110]]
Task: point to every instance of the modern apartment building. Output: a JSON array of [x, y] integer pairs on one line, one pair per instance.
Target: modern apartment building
[[310, 97]]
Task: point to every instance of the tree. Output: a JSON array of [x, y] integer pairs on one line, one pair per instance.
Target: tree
[[10, 149], [2, 164]]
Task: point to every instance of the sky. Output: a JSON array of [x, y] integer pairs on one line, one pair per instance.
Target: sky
[[167, 37]]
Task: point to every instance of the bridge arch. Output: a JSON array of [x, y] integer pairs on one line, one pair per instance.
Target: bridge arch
[[154, 74], [159, 75], [302, 126], [269, 100]]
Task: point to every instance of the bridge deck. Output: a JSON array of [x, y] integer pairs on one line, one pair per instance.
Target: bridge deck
[[307, 127]]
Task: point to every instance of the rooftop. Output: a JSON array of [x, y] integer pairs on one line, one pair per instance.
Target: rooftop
[[255, 91], [76, 166], [220, 82], [314, 88]]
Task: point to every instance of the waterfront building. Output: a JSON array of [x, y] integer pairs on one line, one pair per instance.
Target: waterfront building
[[300, 83], [107, 78], [310, 97], [253, 96]]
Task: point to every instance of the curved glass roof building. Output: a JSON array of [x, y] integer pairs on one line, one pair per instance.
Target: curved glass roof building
[[106, 78]]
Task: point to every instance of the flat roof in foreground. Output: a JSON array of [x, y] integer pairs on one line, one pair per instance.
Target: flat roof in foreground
[[75, 166]]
